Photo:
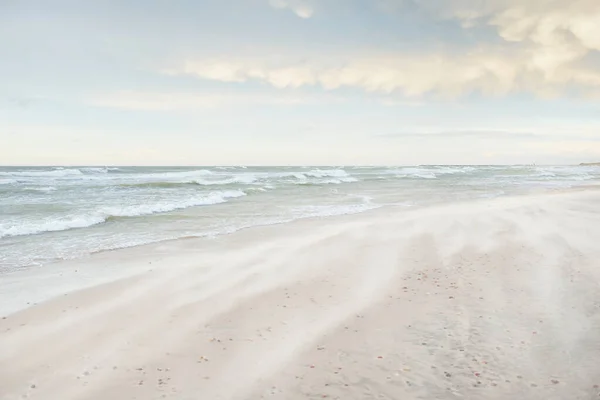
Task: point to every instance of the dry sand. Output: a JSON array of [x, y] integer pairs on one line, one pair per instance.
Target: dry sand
[[492, 300]]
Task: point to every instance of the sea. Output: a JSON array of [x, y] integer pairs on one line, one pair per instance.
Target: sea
[[49, 214]]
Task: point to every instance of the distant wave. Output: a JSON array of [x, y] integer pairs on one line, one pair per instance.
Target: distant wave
[[170, 179], [319, 182], [97, 170], [243, 179], [157, 184], [453, 170], [231, 167], [413, 172], [106, 213], [166, 179], [316, 177], [209, 178], [428, 172], [320, 173], [64, 172], [574, 173], [58, 172], [196, 182], [178, 175]]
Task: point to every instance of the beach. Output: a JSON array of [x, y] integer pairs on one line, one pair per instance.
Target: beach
[[480, 299], [300, 199]]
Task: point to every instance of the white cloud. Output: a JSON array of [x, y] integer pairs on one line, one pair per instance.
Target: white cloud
[[545, 47], [490, 71], [299, 7], [556, 34]]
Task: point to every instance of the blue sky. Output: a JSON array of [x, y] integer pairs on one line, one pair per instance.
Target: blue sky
[[299, 82]]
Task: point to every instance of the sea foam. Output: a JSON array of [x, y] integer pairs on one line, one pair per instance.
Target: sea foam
[[103, 214]]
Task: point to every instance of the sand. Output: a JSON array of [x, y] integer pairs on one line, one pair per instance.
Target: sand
[[497, 299]]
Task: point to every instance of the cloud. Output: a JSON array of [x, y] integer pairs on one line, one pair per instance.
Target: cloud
[[545, 47], [414, 75], [181, 101], [299, 7], [491, 70], [555, 35]]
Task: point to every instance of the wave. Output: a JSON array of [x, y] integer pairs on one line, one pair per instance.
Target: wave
[[59, 172], [430, 172], [413, 172], [208, 178], [147, 209], [157, 184], [452, 170], [196, 182], [338, 181], [62, 172], [571, 173], [258, 189], [314, 173], [202, 177], [179, 175], [97, 170], [91, 171], [319, 173], [56, 225], [242, 179], [108, 213], [165, 179]]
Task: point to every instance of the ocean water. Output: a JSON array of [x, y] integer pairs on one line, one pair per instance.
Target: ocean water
[[54, 213]]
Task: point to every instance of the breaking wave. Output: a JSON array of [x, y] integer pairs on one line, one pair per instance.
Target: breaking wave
[[55, 173], [106, 213]]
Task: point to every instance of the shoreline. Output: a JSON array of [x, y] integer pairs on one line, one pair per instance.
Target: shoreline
[[212, 236], [135, 258]]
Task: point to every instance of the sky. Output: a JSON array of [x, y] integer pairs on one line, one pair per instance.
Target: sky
[[284, 82]]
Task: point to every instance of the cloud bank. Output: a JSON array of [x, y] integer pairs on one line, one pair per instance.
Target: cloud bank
[[544, 47]]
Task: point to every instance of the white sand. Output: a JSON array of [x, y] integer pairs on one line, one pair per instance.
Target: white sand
[[492, 300]]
